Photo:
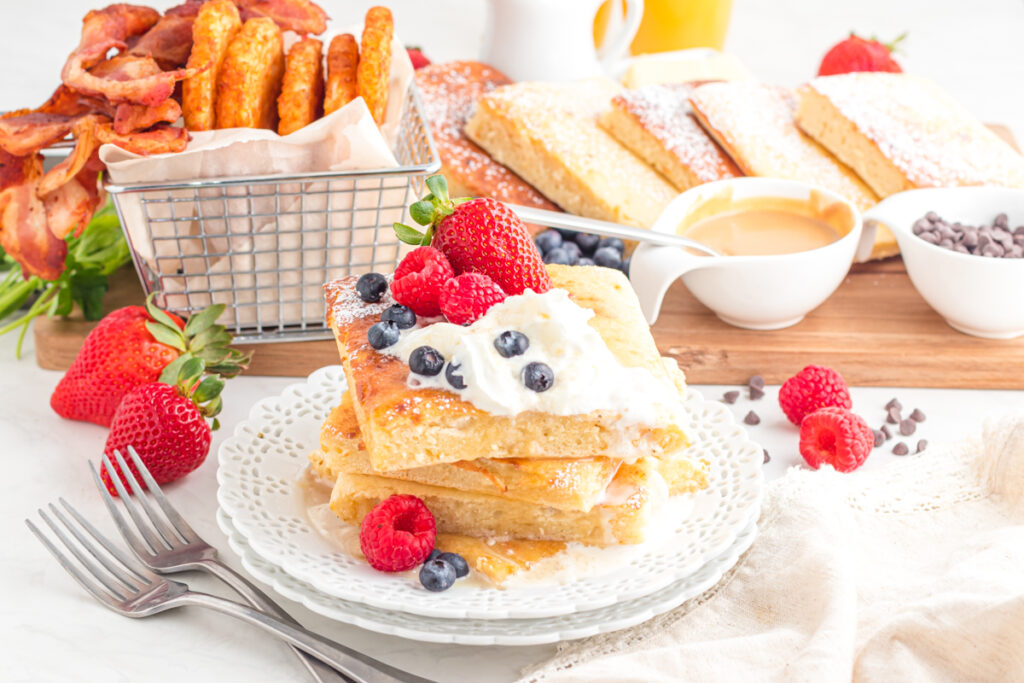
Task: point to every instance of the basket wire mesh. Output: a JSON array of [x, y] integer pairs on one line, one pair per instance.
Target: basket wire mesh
[[264, 245]]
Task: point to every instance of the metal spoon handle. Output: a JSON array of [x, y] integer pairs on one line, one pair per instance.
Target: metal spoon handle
[[567, 221]]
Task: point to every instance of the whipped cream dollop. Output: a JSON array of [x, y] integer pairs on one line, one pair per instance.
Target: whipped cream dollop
[[587, 375]]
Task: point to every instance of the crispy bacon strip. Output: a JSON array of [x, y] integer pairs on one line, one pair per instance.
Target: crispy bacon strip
[[28, 133], [86, 143], [23, 221], [70, 207], [160, 139], [170, 40], [301, 16], [133, 117], [70, 102], [112, 27]]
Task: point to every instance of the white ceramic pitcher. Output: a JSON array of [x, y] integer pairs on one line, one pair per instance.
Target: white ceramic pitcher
[[553, 40]]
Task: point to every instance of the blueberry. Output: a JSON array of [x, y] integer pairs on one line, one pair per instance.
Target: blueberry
[[558, 255], [426, 360], [457, 562], [382, 335], [585, 261], [548, 240], [433, 555], [607, 257], [437, 575], [574, 252], [612, 242], [538, 377], [567, 235], [587, 242], [511, 343], [453, 377], [399, 315], [625, 266], [371, 287]]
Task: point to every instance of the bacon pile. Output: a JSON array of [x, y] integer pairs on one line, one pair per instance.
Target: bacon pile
[[126, 99]]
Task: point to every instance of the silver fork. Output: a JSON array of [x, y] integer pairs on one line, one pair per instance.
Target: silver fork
[[167, 544], [128, 588]]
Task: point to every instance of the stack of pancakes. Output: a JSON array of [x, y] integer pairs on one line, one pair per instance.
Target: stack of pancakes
[[505, 490]]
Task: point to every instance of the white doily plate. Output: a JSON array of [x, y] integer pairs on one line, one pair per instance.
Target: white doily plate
[[261, 462], [488, 631]]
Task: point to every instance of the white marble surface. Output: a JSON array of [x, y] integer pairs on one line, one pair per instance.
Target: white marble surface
[[52, 631]]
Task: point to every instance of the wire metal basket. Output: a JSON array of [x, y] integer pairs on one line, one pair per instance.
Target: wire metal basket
[[264, 245]]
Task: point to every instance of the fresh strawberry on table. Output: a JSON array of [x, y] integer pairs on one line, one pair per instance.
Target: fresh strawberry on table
[[477, 236], [418, 59], [131, 347], [859, 54]]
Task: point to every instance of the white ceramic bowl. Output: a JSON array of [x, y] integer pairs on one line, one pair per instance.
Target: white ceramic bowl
[[755, 292], [979, 296]]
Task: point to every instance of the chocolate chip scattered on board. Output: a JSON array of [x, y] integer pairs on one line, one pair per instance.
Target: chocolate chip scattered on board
[[756, 381], [752, 418], [885, 430], [893, 403], [917, 415], [893, 416], [767, 457], [900, 449], [907, 427], [879, 438], [730, 397], [756, 392], [921, 445]]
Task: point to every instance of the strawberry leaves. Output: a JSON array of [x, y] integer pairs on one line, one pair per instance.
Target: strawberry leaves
[[429, 211]]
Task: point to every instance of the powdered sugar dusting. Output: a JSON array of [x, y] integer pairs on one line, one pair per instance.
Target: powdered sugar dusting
[[664, 112], [929, 136], [756, 123], [344, 305]]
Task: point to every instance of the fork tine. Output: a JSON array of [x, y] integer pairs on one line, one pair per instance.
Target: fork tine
[[117, 572], [126, 530], [131, 565], [154, 544], [165, 531], [76, 573], [96, 572], [177, 521]]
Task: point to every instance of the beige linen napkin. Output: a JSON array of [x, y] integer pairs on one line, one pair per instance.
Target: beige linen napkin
[[914, 572]]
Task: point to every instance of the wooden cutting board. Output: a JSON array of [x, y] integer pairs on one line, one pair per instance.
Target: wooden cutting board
[[876, 330]]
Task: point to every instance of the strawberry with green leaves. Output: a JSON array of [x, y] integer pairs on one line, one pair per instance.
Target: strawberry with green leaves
[[131, 347], [477, 236]]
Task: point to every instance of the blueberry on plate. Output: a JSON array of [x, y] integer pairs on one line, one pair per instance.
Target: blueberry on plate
[[426, 360], [548, 240], [612, 242], [608, 257], [585, 262], [371, 287], [457, 562], [558, 255], [399, 315], [625, 266], [511, 343], [538, 377], [587, 242], [437, 575], [383, 334], [433, 555], [567, 235], [574, 252], [451, 373]]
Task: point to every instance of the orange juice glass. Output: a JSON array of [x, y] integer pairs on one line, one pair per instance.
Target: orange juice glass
[[674, 24]]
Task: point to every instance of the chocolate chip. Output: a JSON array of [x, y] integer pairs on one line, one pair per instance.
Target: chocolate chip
[[730, 397], [756, 393], [921, 445], [907, 427], [885, 430], [917, 415], [767, 457], [894, 403], [756, 381], [879, 437], [752, 418], [900, 449], [893, 416]]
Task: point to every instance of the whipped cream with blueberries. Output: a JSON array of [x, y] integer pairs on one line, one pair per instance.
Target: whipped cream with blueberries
[[531, 352]]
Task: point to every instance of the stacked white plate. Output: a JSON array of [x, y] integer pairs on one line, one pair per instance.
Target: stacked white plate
[[264, 517]]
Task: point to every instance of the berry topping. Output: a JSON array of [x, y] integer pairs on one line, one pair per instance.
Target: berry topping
[[560, 256], [451, 373], [548, 240], [836, 437], [612, 243], [399, 315], [397, 534], [511, 343], [608, 257], [857, 54], [383, 334], [434, 554], [538, 377], [418, 280], [458, 562], [426, 360], [466, 298], [573, 250], [587, 242], [625, 267], [586, 262], [812, 388], [437, 575], [371, 287], [478, 236]]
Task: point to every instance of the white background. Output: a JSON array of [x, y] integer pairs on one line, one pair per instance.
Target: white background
[[52, 631]]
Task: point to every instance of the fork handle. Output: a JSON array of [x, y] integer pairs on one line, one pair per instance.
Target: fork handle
[[338, 656], [322, 673]]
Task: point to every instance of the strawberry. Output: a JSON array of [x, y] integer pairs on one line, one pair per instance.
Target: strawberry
[[130, 347], [418, 59], [166, 423], [478, 236], [858, 54], [468, 296]]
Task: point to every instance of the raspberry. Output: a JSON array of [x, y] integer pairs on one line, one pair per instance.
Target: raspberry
[[397, 534], [837, 437], [418, 279], [812, 388], [467, 297]]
